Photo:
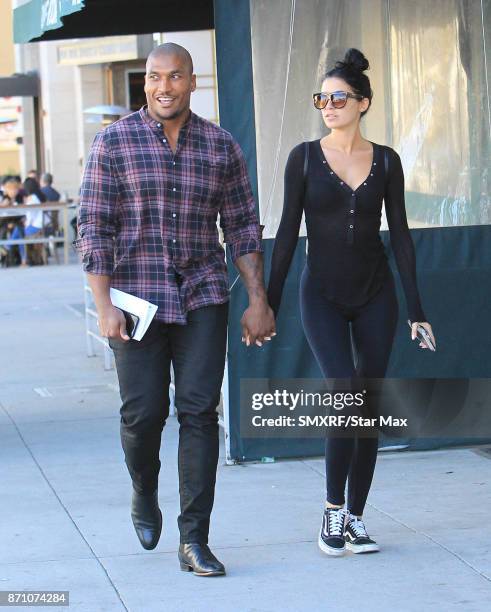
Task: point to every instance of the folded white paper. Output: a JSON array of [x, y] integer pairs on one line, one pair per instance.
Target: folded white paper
[[145, 311]]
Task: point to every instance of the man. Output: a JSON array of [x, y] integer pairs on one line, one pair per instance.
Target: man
[[47, 188], [154, 184], [51, 223]]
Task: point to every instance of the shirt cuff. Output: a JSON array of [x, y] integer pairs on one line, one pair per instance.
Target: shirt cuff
[[98, 262], [245, 246], [97, 254]]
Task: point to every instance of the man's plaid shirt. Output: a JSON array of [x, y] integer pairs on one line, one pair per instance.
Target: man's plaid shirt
[[148, 217]]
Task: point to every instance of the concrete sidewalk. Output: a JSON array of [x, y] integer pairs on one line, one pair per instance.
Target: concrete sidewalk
[[65, 494]]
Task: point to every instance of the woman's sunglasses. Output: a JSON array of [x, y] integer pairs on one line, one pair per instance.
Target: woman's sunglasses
[[338, 99]]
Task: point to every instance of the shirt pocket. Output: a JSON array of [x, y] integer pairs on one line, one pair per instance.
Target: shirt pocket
[[207, 183]]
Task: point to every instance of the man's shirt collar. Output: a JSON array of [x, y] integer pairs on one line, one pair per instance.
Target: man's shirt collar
[[156, 126]]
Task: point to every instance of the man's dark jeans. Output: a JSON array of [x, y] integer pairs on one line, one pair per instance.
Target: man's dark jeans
[[197, 352]]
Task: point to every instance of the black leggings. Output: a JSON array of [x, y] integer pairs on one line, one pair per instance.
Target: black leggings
[[327, 329]]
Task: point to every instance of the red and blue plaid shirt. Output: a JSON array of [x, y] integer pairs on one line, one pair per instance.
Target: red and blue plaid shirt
[[148, 216]]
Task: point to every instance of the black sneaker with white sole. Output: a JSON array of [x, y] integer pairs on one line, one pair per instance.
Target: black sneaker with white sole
[[331, 535], [356, 536]]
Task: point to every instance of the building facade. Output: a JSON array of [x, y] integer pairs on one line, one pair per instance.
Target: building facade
[[76, 75]]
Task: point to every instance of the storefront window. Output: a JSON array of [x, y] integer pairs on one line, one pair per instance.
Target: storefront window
[[429, 70]]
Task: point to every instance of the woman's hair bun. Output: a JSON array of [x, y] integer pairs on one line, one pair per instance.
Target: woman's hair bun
[[354, 60]]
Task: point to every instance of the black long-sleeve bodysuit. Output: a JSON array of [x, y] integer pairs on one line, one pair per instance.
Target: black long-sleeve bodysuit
[[345, 251]]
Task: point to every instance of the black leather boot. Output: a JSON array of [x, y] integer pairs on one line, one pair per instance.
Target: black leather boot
[[199, 559], [147, 518]]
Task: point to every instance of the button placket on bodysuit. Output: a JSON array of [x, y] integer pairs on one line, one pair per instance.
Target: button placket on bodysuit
[[352, 192]]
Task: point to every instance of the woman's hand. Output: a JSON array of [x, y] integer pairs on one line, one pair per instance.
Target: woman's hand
[[414, 333], [258, 324]]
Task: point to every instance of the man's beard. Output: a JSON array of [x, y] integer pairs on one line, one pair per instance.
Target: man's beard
[[174, 115]]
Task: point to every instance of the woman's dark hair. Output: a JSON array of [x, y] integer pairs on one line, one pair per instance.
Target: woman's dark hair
[[32, 187], [351, 69]]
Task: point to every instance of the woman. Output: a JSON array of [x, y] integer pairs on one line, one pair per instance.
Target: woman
[[339, 182]]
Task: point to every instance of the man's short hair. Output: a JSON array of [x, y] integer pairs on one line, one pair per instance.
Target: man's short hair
[[171, 48], [47, 178]]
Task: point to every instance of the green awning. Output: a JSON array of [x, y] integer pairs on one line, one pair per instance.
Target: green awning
[[65, 19], [35, 17]]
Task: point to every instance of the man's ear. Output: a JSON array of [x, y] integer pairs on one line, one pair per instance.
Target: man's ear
[[193, 83]]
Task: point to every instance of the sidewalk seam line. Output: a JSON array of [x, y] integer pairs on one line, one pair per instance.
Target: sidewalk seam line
[[429, 537], [19, 433], [69, 420], [426, 535], [155, 553]]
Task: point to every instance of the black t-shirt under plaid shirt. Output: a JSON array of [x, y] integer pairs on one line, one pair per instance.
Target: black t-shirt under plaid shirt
[[148, 216]]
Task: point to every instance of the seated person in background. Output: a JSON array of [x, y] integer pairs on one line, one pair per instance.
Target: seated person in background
[[33, 174], [47, 188], [51, 217], [11, 192], [22, 192], [11, 196], [33, 223]]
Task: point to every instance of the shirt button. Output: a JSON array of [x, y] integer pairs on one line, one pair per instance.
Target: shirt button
[[174, 189], [371, 174], [364, 183], [164, 140], [351, 227], [374, 163], [341, 183], [174, 240], [353, 194], [173, 214], [352, 211], [159, 125], [173, 163], [332, 172], [324, 162]]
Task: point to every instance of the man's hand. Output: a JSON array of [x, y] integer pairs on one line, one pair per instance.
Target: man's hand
[[112, 323], [258, 320], [258, 324]]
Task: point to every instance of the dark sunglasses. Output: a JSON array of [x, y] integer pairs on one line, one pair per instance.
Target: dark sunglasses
[[338, 99]]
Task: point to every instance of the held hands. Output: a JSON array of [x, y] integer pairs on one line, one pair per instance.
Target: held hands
[[258, 324], [414, 334], [112, 323]]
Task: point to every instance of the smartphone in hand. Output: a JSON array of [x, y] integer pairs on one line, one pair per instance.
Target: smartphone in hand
[[131, 323], [423, 336]]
